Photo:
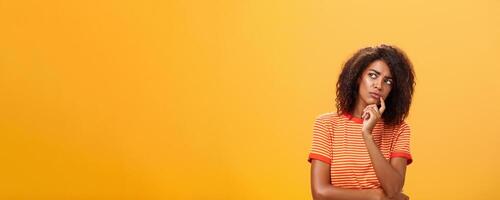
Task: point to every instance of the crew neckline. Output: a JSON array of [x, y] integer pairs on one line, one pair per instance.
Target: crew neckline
[[352, 118]]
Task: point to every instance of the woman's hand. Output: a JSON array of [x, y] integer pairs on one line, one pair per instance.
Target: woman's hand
[[402, 196], [380, 195], [371, 114]]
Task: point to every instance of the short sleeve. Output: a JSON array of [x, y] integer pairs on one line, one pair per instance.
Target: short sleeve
[[401, 145], [321, 148]]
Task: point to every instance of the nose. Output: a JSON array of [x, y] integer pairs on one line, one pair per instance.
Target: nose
[[377, 84]]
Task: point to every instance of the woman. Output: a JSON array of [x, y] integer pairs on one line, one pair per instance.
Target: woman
[[362, 150]]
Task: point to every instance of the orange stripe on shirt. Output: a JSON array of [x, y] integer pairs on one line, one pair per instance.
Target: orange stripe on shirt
[[337, 141]]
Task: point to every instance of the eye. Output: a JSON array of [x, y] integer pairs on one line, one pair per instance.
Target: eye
[[372, 75], [388, 81]]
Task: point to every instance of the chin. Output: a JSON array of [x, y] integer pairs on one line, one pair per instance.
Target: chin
[[372, 101]]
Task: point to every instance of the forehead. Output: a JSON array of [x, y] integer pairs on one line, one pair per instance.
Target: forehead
[[379, 66]]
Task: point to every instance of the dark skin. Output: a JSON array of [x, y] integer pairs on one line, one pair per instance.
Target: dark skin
[[322, 189], [374, 86]]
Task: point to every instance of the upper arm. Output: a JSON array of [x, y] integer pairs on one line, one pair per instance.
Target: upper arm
[[401, 144], [321, 146], [320, 155], [399, 163], [400, 156], [320, 176]]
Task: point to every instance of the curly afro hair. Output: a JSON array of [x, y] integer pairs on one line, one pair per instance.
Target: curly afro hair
[[399, 99]]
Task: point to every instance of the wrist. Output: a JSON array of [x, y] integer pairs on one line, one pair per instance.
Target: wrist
[[366, 133], [367, 137]]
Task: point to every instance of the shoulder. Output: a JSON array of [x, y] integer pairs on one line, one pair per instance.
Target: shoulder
[[403, 125], [400, 128], [324, 117], [328, 119]]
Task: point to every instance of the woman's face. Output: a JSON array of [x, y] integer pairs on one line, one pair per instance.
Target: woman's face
[[375, 82]]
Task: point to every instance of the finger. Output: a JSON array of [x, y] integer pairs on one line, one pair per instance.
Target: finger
[[382, 105], [366, 115], [378, 112], [371, 112], [405, 196], [366, 108], [375, 112]]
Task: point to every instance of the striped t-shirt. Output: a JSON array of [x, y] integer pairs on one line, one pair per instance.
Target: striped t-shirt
[[338, 141]]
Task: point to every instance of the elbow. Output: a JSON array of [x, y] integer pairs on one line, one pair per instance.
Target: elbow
[[393, 192], [318, 193], [391, 195]]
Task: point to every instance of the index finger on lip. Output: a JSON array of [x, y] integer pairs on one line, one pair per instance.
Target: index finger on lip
[[382, 103]]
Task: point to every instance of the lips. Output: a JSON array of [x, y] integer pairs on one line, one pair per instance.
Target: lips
[[375, 95]]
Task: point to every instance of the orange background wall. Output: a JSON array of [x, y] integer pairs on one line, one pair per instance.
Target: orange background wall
[[216, 99]]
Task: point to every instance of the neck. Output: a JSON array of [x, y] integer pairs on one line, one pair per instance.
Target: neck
[[358, 109]]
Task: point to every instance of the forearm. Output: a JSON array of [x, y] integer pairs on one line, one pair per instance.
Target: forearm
[[335, 193], [390, 180]]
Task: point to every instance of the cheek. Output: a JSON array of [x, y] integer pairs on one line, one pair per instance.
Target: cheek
[[365, 83]]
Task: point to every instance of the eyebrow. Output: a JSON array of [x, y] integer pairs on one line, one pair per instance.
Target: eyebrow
[[378, 73]]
